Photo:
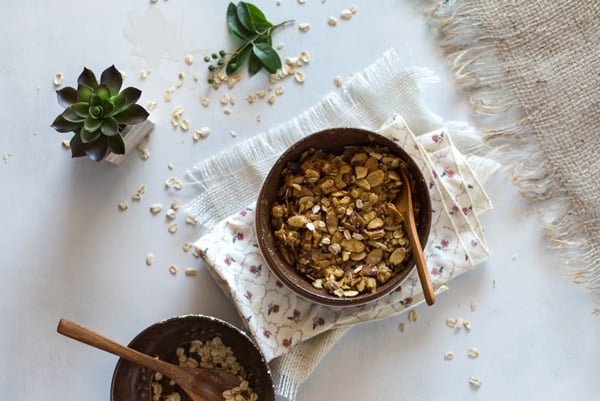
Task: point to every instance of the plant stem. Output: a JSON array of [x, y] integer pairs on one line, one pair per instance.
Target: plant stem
[[259, 35]]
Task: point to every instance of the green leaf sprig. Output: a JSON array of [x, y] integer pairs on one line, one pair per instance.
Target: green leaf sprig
[[248, 24]]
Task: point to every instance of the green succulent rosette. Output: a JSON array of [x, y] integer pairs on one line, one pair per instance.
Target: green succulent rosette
[[96, 112]]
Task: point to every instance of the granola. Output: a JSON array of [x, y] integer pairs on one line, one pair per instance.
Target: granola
[[333, 218]]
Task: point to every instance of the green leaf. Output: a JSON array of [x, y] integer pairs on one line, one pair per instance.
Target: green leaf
[[267, 56], [134, 114], [265, 39], [103, 92], [96, 111], [112, 78], [116, 144], [81, 109], [97, 150], [62, 125], [109, 126], [66, 96], [126, 98], [84, 92], [89, 136], [254, 64], [92, 124], [238, 60], [255, 15], [245, 17], [235, 26], [77, 147], [108, 107], [87, 78], [71, 116]]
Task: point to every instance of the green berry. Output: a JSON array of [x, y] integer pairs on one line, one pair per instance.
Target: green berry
[[214, 56], [222, 53], [206, 59]]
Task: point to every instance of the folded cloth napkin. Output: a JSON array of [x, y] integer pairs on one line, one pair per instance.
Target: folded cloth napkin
[[278, 319], [293, 333]]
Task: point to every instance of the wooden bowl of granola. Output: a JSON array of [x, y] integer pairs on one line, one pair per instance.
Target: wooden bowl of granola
[[191, 340], [323, 221]]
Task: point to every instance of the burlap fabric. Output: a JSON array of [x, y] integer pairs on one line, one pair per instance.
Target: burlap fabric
[[535, 66]]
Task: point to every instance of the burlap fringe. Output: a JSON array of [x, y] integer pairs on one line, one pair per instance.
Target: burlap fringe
[[470, 53]]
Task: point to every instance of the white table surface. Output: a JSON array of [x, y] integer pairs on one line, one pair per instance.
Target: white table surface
[[67, 251]]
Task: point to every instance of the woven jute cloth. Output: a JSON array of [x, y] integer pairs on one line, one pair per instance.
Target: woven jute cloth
[[532, 70]]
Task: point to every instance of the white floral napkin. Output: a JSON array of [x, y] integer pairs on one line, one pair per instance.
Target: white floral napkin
[[278, 319], [221, 188]]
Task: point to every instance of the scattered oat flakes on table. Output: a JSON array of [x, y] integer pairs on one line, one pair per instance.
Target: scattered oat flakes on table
[[304, 27], [473, 352], [475, 381], [156, 208], [346, 15], [58, 79], [171, 214]]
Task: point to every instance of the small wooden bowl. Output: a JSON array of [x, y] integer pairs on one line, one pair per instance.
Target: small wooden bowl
[[132, 382], [333, 141]]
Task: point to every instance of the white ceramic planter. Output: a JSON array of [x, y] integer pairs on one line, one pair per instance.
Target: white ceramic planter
[[132, 136]]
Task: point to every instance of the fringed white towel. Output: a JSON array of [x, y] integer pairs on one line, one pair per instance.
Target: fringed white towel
[[234, 177]]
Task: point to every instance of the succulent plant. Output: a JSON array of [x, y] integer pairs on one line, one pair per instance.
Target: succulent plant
[[97, 112]]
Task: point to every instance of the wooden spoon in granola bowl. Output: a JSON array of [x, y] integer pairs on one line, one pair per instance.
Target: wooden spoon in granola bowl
[[200, 384], [403, 207]]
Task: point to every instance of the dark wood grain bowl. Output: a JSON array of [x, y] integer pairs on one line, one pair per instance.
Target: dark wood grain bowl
[[333, 141], [132, 382]]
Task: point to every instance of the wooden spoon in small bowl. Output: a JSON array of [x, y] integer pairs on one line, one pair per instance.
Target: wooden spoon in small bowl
[[403, 208], [200, 384]]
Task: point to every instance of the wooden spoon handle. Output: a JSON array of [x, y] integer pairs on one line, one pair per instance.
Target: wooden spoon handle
[[419, 257], [77, 332]]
